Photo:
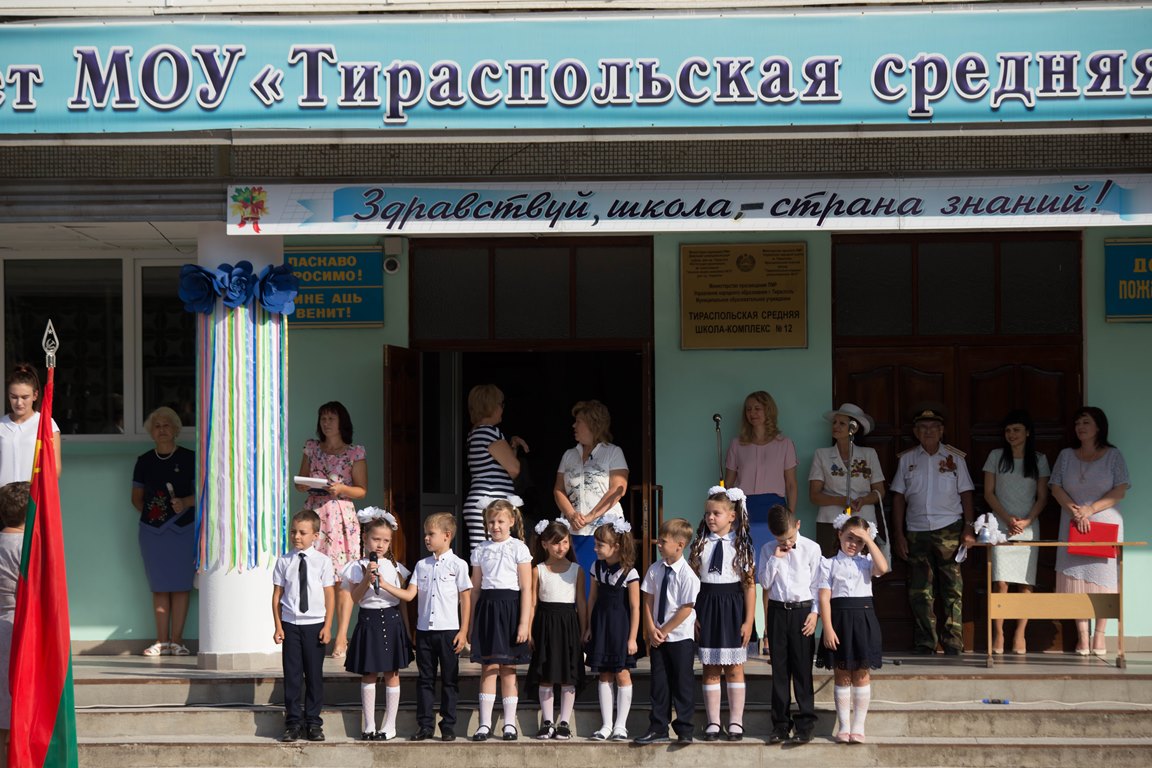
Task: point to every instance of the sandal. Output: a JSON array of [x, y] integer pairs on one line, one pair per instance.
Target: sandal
[[510, 733], [339, 652], [176, 649], [156, 649], [482, 733]]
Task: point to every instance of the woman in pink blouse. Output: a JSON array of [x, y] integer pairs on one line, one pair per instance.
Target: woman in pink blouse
[[762, 463]]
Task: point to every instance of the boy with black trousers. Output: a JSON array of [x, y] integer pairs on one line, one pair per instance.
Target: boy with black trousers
[[670, 588], [303, 599], [788, 568]]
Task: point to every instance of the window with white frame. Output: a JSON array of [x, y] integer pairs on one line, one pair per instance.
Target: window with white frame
[[126, 344]]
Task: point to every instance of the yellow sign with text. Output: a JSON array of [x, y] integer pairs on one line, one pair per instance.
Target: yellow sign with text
[[744, 296]]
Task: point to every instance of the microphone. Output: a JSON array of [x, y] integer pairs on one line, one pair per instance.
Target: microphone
[[373, 558], [716, 418], [853, 426]]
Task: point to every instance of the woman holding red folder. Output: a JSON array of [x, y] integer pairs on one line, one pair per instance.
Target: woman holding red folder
[[1088, 480]]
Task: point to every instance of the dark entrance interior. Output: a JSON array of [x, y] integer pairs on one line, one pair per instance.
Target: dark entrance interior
[[540, 389]]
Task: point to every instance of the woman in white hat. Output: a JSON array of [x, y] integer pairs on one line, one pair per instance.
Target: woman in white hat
[[832, 488]]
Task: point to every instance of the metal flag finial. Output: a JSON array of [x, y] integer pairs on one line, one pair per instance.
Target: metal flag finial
[[51, 343]]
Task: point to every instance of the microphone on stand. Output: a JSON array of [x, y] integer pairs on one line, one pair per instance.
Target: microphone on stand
[[719, 460], [373, 558]]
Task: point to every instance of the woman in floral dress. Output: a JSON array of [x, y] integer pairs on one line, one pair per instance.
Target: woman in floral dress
[[333, 457]]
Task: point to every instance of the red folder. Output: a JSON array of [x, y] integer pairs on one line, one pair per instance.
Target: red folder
[[1096, 533]]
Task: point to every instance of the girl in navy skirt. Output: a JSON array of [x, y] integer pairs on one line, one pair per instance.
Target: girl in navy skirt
[[502, 577], [614, 608], [380, 646], [851, 631], [558, 625], [722, 556]]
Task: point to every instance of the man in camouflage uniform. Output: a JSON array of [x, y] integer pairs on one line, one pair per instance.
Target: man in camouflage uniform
[[931, 515]]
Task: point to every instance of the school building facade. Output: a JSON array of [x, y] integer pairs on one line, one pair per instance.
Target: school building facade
[[662, 209]]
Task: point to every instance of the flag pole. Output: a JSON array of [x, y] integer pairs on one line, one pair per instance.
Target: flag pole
[[51, 343], [43, 721]]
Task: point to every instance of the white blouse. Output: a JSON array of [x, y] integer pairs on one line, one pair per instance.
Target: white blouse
[[498, 561], [395, 575], [557, 587], [846, 576]]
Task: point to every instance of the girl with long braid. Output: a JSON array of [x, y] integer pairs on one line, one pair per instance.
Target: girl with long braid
[[723, 557]]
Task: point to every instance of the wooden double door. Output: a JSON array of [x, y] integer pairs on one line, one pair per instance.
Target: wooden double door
[[977, 385]]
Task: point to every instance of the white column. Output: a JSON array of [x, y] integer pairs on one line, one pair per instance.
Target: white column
[[235, 602]]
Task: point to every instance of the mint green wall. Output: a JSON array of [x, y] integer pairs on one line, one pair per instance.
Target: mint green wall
[[691, 385], [347, 364], [1118, 378], [100, 544]]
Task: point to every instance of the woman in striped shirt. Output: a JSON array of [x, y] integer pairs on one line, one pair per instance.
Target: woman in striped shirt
[[492, 459]]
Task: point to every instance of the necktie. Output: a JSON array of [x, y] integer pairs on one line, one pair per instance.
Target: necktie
[[303, 583], [662, 605], [716, 562]]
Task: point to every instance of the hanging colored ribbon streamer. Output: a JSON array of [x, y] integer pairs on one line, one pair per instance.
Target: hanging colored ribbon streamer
[[242, 519]]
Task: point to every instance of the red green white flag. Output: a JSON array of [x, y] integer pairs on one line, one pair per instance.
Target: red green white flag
[[43, 731]]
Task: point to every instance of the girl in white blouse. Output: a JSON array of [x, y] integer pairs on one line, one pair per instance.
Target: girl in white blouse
[[502, 577], [380, 645]]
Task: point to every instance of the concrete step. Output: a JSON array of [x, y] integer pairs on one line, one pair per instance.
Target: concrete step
[[136, 681], [926, 713], [343, 688], [896, 752], [884, 720]]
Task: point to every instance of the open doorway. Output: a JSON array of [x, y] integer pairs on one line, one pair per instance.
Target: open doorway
[[426, 425], [540, 389]]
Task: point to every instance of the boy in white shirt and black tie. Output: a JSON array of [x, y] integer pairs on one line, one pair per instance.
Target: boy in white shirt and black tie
[[788, 570], [670, 588], [303, 598]]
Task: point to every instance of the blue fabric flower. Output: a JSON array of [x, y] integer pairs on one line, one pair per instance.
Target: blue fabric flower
[[278, 288], [199, 288], [238, 282]]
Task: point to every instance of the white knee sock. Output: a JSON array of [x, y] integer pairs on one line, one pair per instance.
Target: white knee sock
[[567, 702], [368, 705], [843, 697], [547, 708], [861, 697], [736, 704], [712, 707], [605, 691], [391, 704], [487, 701], [510, 703], [623, 705]]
